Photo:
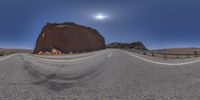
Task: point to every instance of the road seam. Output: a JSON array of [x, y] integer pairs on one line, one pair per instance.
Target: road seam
[[109, 55]]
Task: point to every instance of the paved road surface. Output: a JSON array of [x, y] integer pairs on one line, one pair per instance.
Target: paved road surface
[[105, 75]]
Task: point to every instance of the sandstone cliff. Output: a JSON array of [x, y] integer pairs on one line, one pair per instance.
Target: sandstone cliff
[[68, 38]]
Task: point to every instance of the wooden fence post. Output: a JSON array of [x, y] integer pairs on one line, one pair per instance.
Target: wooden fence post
[[195, 53], [152, 53], [165, 55], [188, 56]]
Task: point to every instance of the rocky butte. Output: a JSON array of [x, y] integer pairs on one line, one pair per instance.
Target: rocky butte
[[66, 38]]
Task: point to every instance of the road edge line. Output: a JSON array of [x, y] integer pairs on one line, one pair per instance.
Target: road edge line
[[68, 60], [6, 57]]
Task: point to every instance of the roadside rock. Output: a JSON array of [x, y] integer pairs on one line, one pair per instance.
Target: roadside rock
[[55, 52], [47, 53], [68, 37], [40, 53]]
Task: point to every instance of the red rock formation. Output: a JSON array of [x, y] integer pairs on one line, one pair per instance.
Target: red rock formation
[[66, 38]]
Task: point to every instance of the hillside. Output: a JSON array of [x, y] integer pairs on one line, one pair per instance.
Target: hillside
[[178, 50], [4, 51], [134, 45]]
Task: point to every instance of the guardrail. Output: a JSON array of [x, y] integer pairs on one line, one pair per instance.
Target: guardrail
[[165, 55]]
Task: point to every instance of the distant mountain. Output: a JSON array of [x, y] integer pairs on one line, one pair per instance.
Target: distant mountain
[[4, 51], [178, 50], [135, 45]]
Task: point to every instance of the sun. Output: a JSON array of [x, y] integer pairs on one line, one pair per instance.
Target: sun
[[100, 16]]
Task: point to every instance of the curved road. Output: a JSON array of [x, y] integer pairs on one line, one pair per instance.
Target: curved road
[[104, 75]]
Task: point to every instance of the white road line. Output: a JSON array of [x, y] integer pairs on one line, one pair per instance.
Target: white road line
[[7, 57], [109, 55], [68, 60], [160, 63]]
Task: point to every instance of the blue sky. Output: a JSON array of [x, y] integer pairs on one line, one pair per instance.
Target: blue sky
[[157, 23]]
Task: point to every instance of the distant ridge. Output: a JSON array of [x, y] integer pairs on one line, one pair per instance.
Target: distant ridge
[[189, 50], [12, 51], [134, 45]]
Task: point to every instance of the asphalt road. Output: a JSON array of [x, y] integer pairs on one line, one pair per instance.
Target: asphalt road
[[104, 75]]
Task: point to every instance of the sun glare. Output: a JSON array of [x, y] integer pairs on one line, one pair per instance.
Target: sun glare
[[100, 16]]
